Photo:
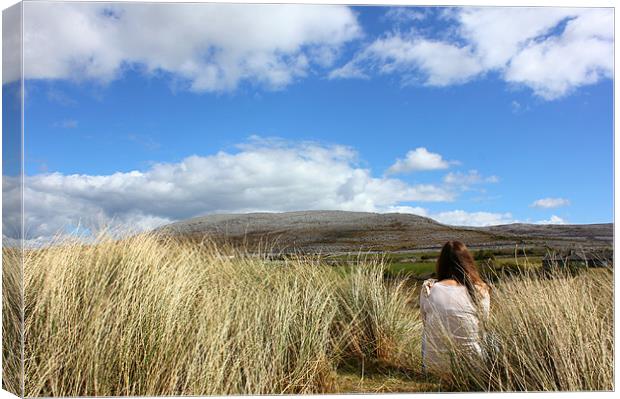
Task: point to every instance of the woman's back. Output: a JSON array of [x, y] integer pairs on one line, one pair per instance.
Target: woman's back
[[451, 321]]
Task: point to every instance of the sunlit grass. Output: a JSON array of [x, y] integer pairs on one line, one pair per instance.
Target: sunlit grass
[[151, 316]]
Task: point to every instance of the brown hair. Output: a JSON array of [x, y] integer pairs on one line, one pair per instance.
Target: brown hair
[[455, 262]]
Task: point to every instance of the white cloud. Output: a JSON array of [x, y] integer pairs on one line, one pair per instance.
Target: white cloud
[[216, 47], [419, 159], [582, 55], [552, 220], [406, 14], [552, 51], [207, 47], [470, 178], [348, 71], [415, 210], [440, 63], [550, 203], [263, 175], [458, 217], [498, 33], [463, 218]]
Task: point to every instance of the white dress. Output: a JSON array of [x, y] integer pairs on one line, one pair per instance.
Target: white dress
[[447, 311]]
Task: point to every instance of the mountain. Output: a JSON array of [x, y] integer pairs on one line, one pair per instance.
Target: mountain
[[341, 231]]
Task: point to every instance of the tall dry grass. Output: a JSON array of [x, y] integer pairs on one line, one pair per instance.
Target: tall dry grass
[[552, 333], [12, 330], [151, 316]]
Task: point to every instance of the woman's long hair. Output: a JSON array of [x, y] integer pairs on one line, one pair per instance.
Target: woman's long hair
[[455, 262]]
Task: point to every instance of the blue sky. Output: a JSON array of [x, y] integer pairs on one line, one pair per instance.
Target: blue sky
[[146, 115]]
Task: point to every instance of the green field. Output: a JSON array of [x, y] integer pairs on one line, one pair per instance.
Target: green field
[[410, 268], [421, 265]]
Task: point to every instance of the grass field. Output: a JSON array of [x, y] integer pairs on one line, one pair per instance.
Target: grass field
[[150, 316], [412, 268], [422, 265]]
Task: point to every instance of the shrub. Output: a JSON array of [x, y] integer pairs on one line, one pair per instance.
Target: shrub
[[482, 255]]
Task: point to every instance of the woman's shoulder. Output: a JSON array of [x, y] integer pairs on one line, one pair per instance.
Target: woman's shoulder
[[427, 285], [483, 289]]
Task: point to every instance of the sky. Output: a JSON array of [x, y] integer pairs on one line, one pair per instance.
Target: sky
[[142, 114]]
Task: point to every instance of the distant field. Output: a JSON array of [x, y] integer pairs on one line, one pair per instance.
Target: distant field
[[421, 265], [413, 269]]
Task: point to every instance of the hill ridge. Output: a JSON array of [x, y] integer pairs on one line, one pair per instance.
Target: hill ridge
[[335, 231]]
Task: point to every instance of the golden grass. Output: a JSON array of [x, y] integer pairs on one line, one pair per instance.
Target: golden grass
[[12, 321], [151, 316], [547, 334]]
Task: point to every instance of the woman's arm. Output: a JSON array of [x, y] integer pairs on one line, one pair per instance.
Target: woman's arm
[[485, 304], [422, 306], [424, 293]]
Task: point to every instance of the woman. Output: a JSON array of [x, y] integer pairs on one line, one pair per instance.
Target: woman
[[451, 307]]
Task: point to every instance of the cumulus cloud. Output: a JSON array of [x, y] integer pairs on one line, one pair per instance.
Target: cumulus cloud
[[582, 55], [552, 51], [550, 203], [415, 210], [463, 218], [498, 33], [206, 47], [261, 175], [418, 159], [438, 63], [553, 220], [458, 217], [216, 47]]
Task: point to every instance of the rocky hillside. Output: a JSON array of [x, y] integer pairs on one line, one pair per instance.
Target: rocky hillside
[[603, 232], [340, 231]]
